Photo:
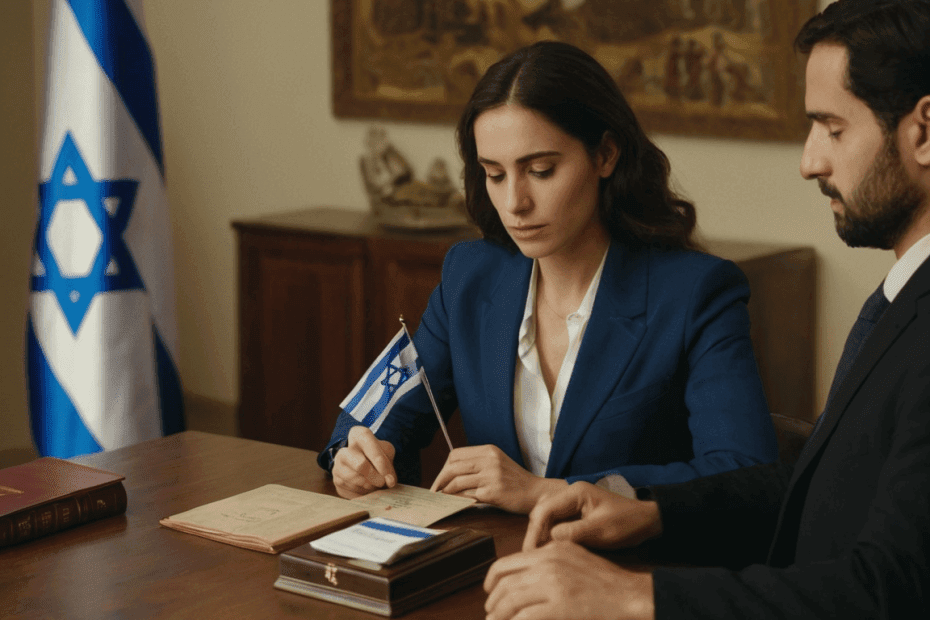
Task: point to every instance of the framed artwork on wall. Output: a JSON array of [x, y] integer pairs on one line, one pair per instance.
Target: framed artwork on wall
[[694, 67]]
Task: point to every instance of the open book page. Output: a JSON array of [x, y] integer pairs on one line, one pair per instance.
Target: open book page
[[413, 505], [267, 518]]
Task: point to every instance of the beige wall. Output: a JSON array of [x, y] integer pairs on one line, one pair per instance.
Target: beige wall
[[17, 213], [248, 129]]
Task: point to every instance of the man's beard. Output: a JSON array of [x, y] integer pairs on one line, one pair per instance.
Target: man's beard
[[882, 206]]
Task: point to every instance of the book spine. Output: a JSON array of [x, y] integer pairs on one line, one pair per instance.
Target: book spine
[[62, 514]]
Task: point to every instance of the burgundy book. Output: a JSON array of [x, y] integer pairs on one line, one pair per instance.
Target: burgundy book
[[47, 495], [391, 590]]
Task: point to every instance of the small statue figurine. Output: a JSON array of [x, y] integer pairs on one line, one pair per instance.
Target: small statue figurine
[[397, 198], [384, 169], [438, 176]]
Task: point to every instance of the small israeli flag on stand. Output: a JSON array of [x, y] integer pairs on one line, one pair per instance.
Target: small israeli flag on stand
[[394, 372], [101, 337]]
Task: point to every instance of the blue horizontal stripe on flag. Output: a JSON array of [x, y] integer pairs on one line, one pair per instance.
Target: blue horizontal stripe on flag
[[376, 372], [395, 529], [123, 53]]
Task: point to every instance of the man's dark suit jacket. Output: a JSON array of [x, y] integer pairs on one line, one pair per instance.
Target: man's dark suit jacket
[[846, 533]]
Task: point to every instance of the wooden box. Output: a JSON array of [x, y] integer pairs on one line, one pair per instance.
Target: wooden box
[[392, 590]]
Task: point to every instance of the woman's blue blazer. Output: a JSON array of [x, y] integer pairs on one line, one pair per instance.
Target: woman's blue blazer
[[665, 387]]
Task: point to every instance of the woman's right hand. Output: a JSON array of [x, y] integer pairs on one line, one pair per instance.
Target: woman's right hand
[[365, 464]]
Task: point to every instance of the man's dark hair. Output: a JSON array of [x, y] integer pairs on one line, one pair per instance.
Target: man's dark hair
[[888, 46], [574, 92]]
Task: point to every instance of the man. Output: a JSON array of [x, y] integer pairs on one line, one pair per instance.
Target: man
[[846, 533]]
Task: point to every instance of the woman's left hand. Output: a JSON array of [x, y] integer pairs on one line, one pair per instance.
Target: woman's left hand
[[490, 476]]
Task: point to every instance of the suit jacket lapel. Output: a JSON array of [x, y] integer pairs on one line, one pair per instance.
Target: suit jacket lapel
[[501, 316], [888, 329], [616, 326]]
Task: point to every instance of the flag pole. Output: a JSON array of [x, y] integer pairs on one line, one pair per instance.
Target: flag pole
[[429, 392]]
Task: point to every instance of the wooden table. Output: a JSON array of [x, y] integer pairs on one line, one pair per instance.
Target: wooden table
[[130, 567]]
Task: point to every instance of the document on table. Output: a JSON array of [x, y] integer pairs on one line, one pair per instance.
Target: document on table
[[269, 518], [379, 540], [412, 505]]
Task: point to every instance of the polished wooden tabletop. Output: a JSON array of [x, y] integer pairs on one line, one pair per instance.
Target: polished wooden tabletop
[[131, 567]]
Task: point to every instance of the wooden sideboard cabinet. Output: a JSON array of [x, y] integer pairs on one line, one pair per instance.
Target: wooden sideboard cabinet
[[320, 291]]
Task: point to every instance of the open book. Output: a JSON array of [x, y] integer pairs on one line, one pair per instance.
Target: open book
[[274, 518]]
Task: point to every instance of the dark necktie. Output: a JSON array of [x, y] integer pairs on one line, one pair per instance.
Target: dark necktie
[[869, 315]]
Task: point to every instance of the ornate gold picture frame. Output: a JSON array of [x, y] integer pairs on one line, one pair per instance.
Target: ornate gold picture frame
[[696, 67]]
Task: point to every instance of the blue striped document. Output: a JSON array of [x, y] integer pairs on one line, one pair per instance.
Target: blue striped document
[[379, 540]]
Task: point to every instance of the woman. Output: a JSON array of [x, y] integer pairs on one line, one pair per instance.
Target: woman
[[583, 338]]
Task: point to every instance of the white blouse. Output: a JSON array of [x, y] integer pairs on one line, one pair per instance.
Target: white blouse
[[535, 414]]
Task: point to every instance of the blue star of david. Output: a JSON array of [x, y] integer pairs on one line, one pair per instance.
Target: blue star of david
[[392, 370], [74, 294]]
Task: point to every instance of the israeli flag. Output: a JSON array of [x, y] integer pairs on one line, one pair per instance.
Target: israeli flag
[[101, 336], [396, 371]]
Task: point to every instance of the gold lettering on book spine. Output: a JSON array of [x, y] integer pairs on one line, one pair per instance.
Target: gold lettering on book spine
[[331, 570], [9, 491], [46, 519]]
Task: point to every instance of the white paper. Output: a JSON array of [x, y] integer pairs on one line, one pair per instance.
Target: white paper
[[378, 540]]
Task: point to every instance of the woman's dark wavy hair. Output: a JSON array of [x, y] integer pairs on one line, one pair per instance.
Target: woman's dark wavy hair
[[888, 46], [573, 91]]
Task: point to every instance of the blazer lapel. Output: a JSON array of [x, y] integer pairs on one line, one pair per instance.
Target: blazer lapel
[[501, 316], [893, 322], [616, 326], [888, 329]]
